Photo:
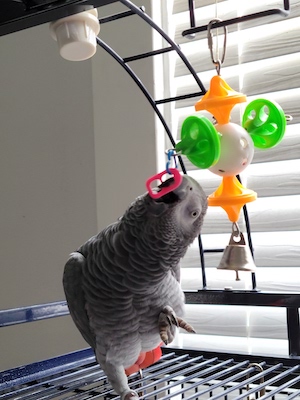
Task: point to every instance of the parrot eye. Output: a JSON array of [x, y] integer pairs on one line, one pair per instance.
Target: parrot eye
[[195, 214]]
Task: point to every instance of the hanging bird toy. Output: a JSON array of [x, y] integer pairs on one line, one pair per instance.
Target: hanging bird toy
[[226, 148]]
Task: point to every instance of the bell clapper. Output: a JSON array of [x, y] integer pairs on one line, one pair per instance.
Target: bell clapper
[[236, 235]]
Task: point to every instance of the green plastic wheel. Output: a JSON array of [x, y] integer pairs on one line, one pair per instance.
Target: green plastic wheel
[[200, 142], [265, 122]]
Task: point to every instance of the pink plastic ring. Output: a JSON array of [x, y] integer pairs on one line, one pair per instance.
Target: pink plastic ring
[[177, 181]]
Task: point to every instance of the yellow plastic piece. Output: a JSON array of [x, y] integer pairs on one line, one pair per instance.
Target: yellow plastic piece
[[220, 99], [231, 195]]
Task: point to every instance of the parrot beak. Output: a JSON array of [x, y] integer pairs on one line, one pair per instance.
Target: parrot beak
[[187, 184], [180, 192], [170, 197]]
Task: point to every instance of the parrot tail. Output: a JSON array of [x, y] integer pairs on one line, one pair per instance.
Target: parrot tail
[[145, 360]]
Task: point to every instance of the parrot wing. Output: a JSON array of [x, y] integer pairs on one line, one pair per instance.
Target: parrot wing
[[72, 282]]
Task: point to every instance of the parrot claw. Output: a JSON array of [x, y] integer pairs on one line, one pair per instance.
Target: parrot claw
[[172, 319], [166, 322], [184, 325], [129, 395]]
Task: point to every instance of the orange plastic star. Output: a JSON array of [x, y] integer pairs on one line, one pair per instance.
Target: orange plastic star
[[220, 99]]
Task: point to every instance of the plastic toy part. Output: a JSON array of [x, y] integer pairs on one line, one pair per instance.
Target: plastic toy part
[[265, 121], [220, 99], [171, 153], [200, 142], [231, 195], [237, 150], [145, 360], [76, 35], [156, 194]]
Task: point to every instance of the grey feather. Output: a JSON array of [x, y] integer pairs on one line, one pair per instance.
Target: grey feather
[[74, 293], [119, 282]]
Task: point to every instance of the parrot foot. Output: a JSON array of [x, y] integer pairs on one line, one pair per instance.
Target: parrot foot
[[131, 395], [167, 321]]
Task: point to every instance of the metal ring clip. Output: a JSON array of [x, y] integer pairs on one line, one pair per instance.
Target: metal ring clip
[[262, 390], [216, 61]]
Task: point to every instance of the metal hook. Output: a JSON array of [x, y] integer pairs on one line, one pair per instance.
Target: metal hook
[[236, 230], [171, 153], [216, 61]]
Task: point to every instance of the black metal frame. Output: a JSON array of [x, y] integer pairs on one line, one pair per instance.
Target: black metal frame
[[290, 301], [23, 14], [282, 12]]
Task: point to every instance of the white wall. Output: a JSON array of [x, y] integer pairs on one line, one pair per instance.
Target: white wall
[[77, 142], [124, 120]]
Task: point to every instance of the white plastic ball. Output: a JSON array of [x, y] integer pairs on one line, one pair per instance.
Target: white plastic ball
[[237, 150]]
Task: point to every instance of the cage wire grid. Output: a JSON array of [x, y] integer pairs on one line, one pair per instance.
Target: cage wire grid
[[189, 375]]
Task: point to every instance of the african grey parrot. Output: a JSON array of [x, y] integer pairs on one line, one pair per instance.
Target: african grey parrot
[[122, 286]]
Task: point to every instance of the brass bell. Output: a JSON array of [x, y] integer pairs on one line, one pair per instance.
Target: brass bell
[[237, 255]]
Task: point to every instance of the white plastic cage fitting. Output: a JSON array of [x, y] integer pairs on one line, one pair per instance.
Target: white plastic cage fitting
[[76, 35]]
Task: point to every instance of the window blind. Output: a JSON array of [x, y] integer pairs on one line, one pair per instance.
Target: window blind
[[262, 61]]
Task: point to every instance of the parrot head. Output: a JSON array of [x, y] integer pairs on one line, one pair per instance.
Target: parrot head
[[181, 211]]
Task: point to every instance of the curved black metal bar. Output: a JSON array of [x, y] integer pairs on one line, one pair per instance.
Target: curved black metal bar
[[144, 90], [146, 18]]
